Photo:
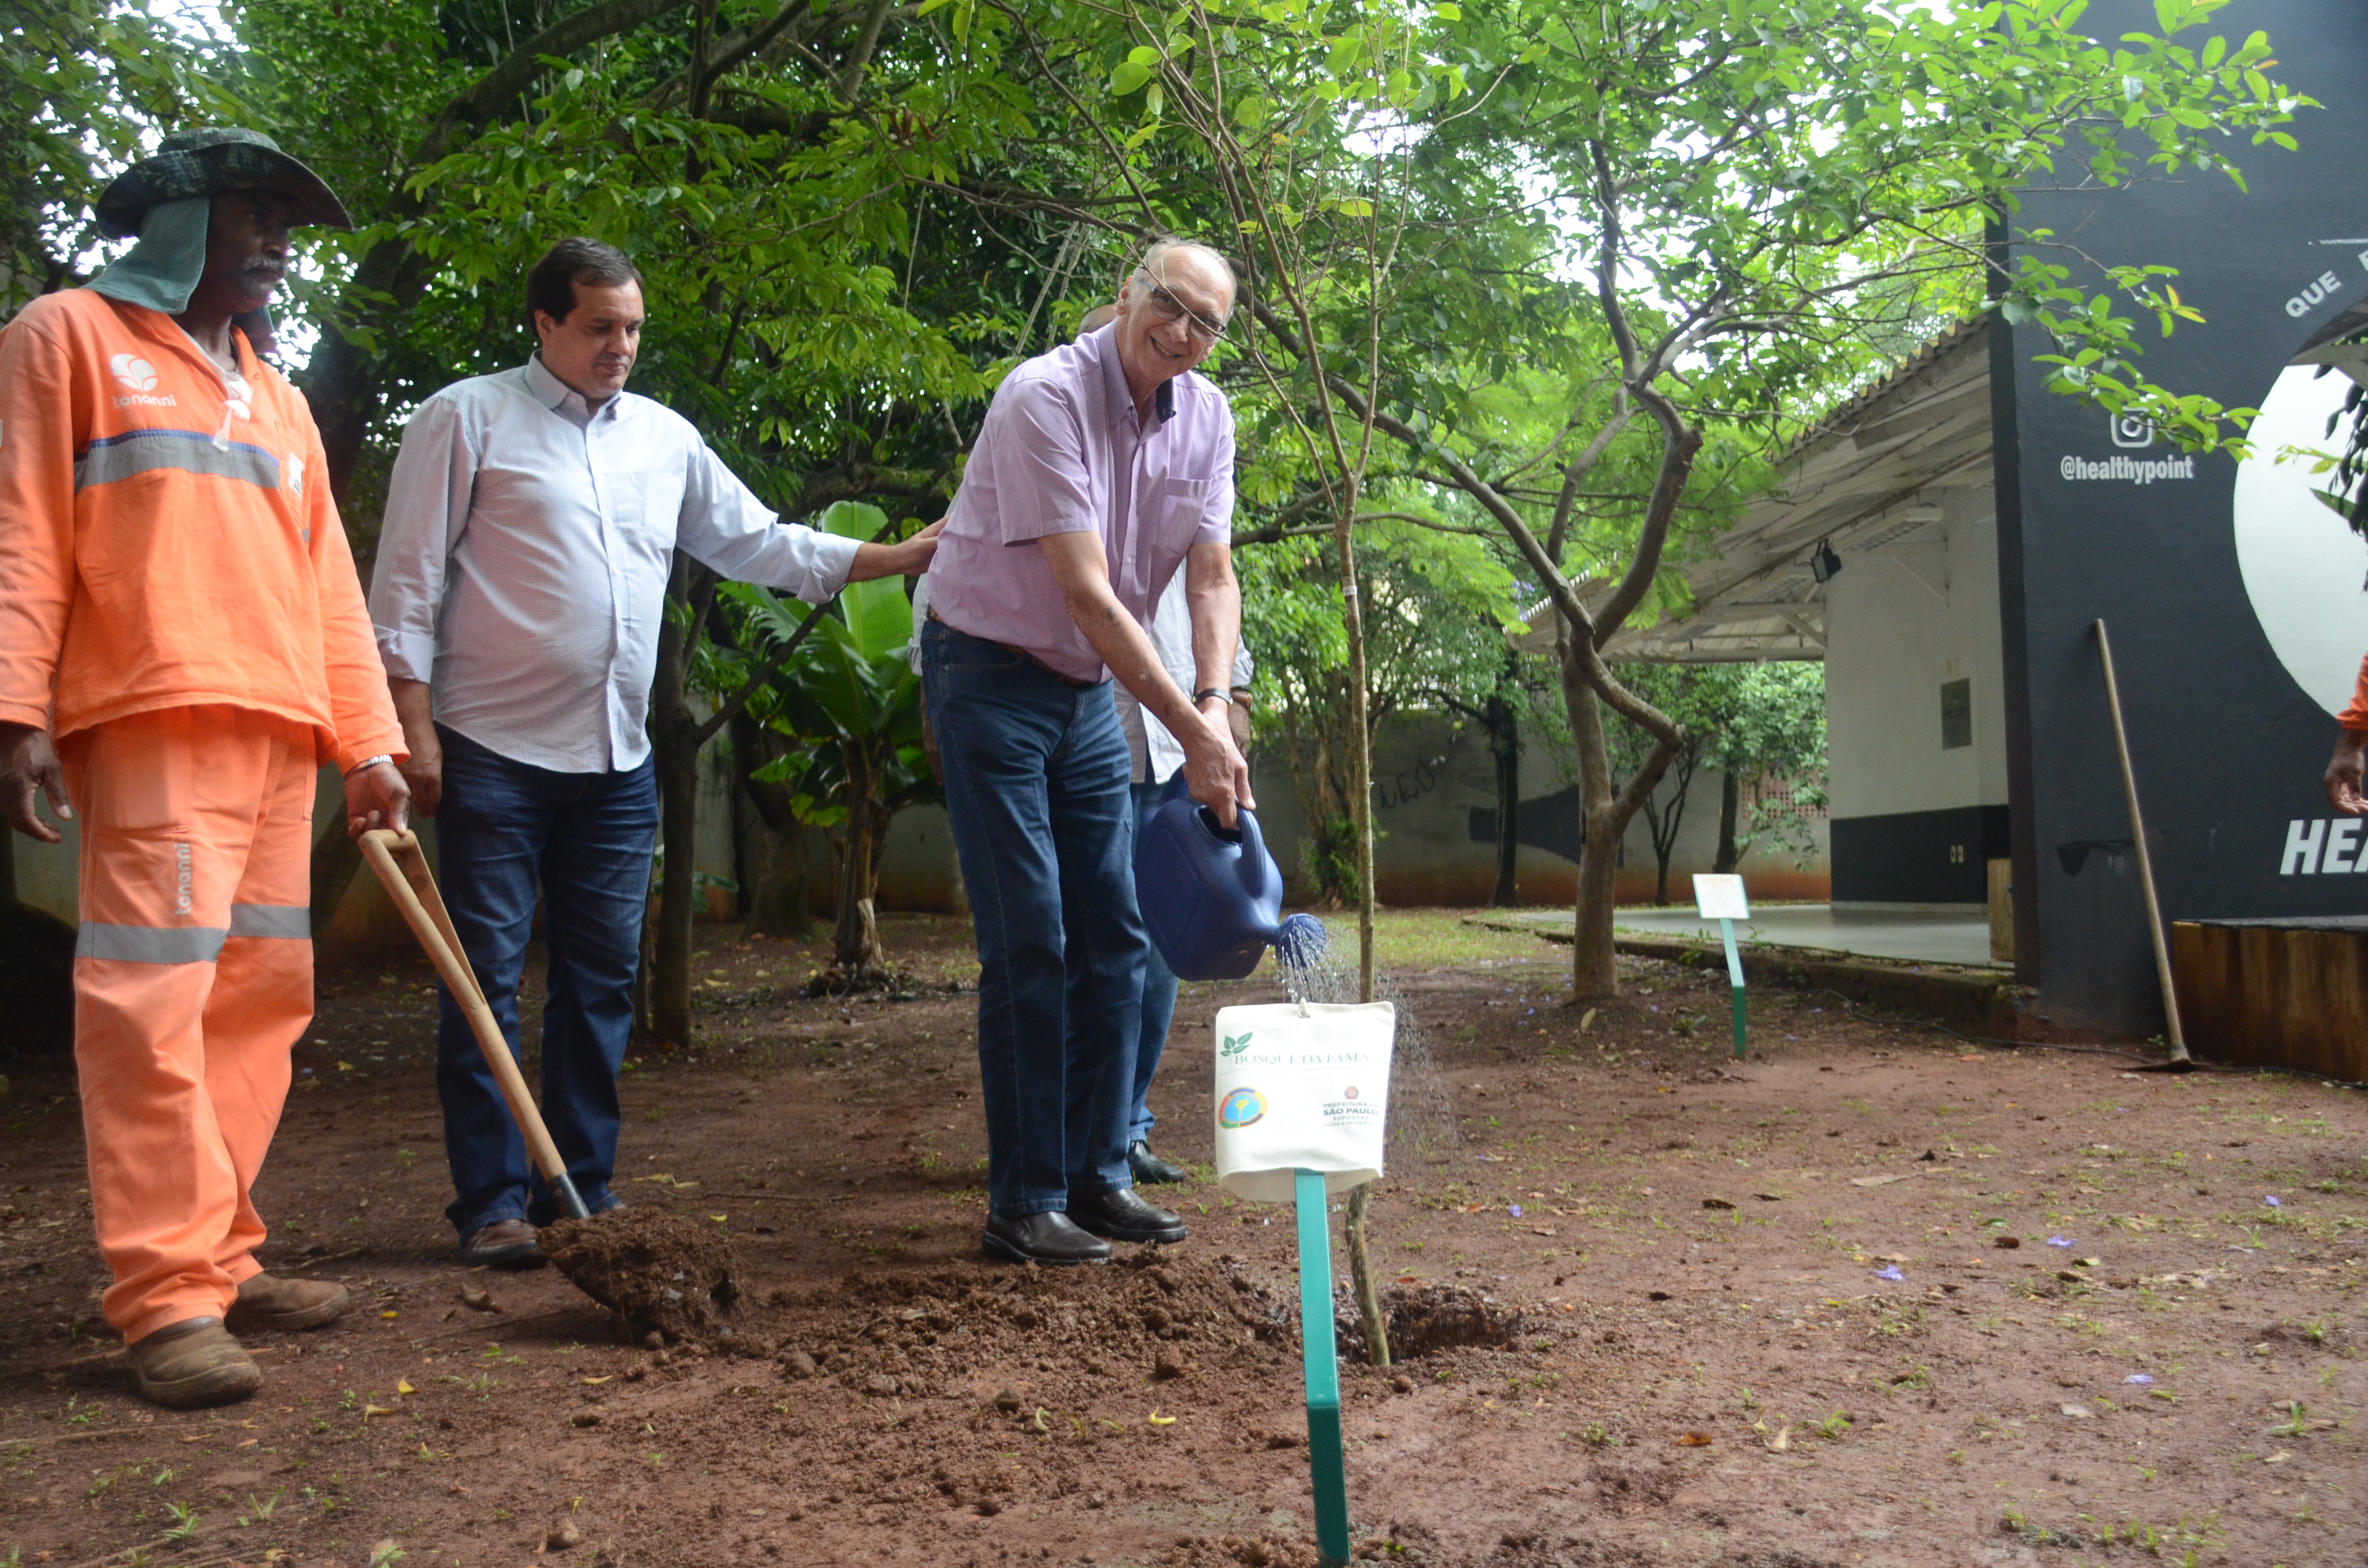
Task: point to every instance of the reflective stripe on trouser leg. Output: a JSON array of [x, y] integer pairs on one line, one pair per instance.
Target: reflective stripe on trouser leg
[[186, 813]]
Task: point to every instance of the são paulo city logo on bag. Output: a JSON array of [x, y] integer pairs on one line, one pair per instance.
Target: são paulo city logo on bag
[[1346, 1109]]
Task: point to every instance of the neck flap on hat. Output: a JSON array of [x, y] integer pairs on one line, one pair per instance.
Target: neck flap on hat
[[162, 271]]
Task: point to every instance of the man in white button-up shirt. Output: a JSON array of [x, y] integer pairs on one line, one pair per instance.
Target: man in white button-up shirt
[[531, 526]]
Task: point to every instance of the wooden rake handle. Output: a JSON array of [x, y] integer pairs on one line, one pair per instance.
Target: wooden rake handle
[[403, 869]]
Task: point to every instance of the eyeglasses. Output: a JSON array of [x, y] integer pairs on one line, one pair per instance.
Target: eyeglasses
[[1166, 307]]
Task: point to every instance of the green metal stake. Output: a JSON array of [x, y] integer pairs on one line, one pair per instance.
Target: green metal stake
[[1734, 978], [1324, 1458]]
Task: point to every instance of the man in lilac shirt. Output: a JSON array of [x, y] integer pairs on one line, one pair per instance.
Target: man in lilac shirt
[[1104, 468]]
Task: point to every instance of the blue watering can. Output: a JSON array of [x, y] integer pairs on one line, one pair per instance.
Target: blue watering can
[[1211, 898]]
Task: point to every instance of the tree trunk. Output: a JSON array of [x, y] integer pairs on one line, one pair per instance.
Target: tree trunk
[[674, 738], [1361, 758], [678, 894], [1592, 972], [1368, 1290], [1593, 975], [856, 941], [1730, 801], [1504, 747], [780, 901]]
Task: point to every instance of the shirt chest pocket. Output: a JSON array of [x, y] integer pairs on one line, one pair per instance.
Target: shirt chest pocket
[[642, 497], [1176, 505], [1172, 509]]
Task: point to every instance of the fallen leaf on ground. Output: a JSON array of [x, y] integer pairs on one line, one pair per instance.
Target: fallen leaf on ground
[[1781, 1441], [1695, 1439], [1718, 1203], [1159, 1420], [1882, 1180], [404, 1387], [478, 1300], [2078, 1412]]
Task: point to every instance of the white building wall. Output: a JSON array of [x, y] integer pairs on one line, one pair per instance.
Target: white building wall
[[1900, 622]]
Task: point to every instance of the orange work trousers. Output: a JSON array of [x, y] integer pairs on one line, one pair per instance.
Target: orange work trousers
[[193, 981]]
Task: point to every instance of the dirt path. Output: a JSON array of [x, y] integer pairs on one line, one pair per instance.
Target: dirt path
[[1713, 1364]]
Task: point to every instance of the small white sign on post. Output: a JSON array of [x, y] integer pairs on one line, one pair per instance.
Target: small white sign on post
[[1721, 898]]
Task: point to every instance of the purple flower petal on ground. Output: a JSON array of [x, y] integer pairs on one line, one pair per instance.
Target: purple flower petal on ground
[[2059, 1241], [1889, 1271], [2273, 1201], [1515, 1210], [2139, 1378]]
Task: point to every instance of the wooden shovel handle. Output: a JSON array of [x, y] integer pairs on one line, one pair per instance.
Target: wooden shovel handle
[[402, 869]]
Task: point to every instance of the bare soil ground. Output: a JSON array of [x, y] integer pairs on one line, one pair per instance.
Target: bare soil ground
[[1876, 1296]]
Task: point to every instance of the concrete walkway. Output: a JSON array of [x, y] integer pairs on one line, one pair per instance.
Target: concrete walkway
[[1915, 938]]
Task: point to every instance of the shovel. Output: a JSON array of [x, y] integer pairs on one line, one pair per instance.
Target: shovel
[[413, 891], [657, 1270]]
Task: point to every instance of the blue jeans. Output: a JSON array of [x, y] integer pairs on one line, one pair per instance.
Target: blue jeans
[[1036, 787], [586, 839], [1158, 1003]]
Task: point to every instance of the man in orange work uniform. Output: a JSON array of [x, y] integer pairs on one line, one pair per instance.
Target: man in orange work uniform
[[179, 611]]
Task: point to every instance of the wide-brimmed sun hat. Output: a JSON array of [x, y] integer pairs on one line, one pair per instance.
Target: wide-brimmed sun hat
[[208, 163]]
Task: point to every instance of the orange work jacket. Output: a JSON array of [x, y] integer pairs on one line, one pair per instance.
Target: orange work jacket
[[158, 550], [2355, 714]]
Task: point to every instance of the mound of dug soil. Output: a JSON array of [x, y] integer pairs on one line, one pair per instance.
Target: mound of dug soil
[[662, 1272], [1146, 1315]]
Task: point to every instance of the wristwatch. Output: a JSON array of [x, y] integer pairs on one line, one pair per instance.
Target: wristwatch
[[1207, 692]]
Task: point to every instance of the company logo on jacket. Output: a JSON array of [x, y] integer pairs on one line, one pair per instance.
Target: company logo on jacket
[[139, 377]]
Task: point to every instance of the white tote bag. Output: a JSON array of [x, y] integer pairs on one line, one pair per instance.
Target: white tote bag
[[1302, 1089]]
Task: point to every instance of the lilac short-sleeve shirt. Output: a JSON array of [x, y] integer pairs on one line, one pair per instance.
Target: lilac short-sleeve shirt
[[1062, 452]]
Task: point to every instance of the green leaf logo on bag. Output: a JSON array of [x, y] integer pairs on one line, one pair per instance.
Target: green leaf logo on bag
[[1234, 1045], [1241, 1108]]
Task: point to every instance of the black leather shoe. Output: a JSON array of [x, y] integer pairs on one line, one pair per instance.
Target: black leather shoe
[[504, 1244], [1149, 1168], [1049, 1238], [1124, 1217]]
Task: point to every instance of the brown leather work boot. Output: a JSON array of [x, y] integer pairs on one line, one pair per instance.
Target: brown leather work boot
[[192, 1364], [265, 1302]]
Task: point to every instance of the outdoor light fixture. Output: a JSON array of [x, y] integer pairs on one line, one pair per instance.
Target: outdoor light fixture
[[1825, 565]]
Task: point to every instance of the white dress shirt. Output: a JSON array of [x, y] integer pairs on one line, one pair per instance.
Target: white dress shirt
[[1157, 754], [522, 566]]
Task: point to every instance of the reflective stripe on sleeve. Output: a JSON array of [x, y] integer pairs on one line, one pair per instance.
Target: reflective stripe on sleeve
[[290, 920], [115, 457], [149, 944]]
